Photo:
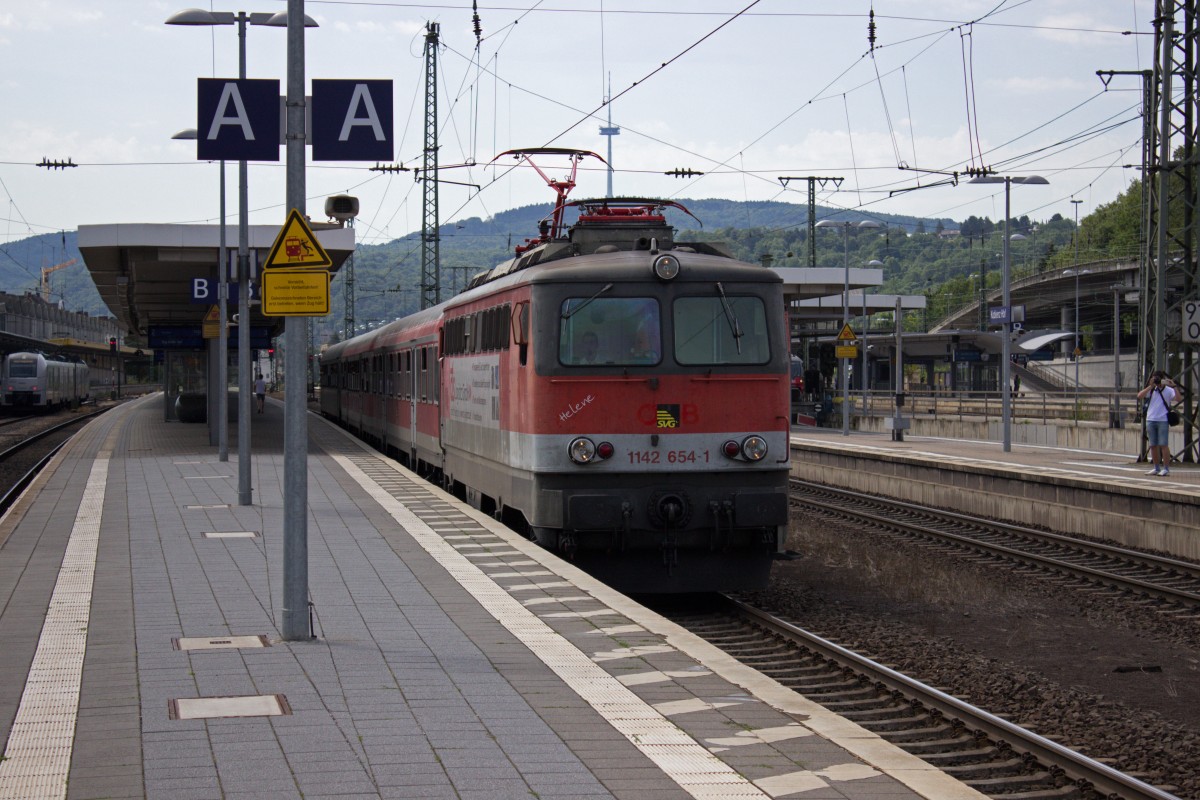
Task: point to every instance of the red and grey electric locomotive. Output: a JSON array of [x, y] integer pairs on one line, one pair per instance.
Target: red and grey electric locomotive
[[620, 397]]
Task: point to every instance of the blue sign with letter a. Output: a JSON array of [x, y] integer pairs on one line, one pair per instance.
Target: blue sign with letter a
[[237, 120], [352, 120]]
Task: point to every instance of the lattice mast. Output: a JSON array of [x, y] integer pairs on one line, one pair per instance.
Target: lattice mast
[[1169, 275], [431, 290]]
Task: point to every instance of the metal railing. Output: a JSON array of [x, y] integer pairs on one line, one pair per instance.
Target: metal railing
[[1093, 406]]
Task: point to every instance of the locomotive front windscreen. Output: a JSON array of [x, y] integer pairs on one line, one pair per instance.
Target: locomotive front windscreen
[[618, 331], [720, 330], [710, 330], [22, 368]]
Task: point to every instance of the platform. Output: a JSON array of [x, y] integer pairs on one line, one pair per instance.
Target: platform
[[1102, 494], [453, 659]]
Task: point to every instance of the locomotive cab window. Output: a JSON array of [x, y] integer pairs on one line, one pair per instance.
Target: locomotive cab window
[[712, 331], [22, 369], [610, 331]]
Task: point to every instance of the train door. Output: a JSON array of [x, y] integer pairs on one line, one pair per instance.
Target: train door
[[414, 396]]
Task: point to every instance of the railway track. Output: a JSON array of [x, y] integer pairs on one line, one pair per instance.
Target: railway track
[[1169, 585], [21, 462], [988, 753]]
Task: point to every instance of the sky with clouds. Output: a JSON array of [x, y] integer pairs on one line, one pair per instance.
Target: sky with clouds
[[742, 91]]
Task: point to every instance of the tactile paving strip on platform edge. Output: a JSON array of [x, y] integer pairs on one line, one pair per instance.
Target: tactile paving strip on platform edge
[[701, 774], [38, 753]]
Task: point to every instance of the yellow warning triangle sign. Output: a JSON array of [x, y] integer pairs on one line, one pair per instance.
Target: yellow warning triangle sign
[[847, 335], [213, 315], [296, 247]]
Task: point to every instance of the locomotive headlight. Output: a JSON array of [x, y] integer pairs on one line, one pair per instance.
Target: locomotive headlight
[[581, 450], [666, 267], [754, 448]]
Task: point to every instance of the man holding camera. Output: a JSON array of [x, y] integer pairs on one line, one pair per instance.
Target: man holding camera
[[1159, 395]]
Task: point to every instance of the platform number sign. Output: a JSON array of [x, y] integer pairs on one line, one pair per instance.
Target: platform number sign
[[1191, 322]]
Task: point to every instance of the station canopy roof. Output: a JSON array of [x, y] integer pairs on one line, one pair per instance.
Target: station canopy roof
[[145, 272]]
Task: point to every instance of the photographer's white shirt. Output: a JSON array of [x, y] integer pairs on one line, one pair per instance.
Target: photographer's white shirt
[[1160, 401]]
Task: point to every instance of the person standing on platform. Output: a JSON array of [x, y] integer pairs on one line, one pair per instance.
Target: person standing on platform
[[1158, 395], [260, 392], [1017, 385]]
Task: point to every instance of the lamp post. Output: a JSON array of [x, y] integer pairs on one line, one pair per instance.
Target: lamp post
[[1075, 355], [222, 424], [196, 16], [1006, 327], [1076, 272], [1115, 419], [845, 362], [874, 262]]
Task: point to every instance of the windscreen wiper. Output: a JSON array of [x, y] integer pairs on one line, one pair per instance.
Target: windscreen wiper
[[573, 311], [734, 326]]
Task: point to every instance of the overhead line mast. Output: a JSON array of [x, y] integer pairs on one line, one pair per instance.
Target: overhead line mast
[[1170, 275], [812, 208], [431, 290]]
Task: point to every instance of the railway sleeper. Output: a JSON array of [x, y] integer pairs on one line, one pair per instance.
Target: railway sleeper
[[731, 634], [921, 747], [903, 729], [758, 651], [977, 764], [795, 672], [839, 684], [1002, 765], [874, 716], [1033, 785], [850, 701]]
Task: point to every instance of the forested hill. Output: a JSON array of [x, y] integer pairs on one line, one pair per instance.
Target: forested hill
[[518, 224]]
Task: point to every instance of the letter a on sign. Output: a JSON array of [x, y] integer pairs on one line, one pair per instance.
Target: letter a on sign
[[352, 120], [237, 120], [296, 247]]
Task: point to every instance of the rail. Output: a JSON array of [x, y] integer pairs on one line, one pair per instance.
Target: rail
[[1106, 781]]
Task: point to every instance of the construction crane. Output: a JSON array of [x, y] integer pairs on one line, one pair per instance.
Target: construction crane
[[46, 277]]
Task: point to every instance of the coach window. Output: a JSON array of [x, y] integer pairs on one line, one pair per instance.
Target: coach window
[[710, 331], [435, 375], [616, 331], [424, 374], [407, 387]]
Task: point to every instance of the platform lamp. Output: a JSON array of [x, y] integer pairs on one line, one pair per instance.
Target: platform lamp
[[1076, 271], [198, 16], [1006, 327], [846, 225], [874, 262], [222, 317]]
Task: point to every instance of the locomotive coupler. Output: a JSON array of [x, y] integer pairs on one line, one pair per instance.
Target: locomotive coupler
[[720, 510], [621, 533], [670, 552], [566, 544]]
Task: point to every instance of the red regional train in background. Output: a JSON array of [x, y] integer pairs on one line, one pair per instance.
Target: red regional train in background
[[619, 397]]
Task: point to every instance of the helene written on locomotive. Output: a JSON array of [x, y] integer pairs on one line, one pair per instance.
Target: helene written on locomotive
[[619, 397]]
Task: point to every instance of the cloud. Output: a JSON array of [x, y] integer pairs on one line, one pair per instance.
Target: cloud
[[47, 16], [405, 28], [1074, 29], [1042, 84]]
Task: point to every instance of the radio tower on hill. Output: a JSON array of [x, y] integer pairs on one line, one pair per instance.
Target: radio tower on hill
[[610, 131]]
